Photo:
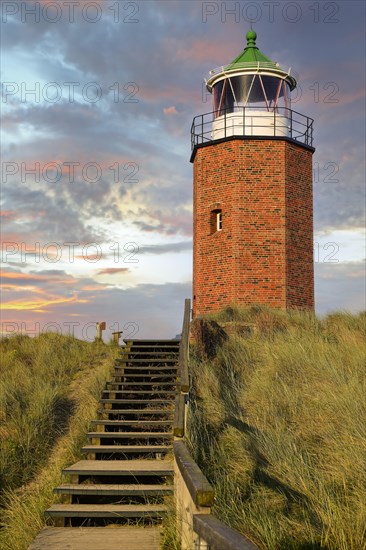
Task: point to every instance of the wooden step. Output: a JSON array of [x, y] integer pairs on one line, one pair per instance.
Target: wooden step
[[168, 350], [137, 363], [151, 383], [149, 353], [147, 360], [141, 401], [138, 411], [145, 368], [157, 341], [129, 435], [120, 380], [169, 365], [94, 538], [150, 348], [105, 510], [131, 387], [135, 415], [146, 372], [125, 449], [147, 391], [114, 490], [165, 376], [120, 467], [117, 385], [145, 352], [131, 423]]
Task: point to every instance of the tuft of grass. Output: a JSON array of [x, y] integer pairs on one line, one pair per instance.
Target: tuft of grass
[[277, 423], [170, 536], [49, 392]]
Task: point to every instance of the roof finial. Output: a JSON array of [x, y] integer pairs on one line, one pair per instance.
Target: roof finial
[[251, 38]]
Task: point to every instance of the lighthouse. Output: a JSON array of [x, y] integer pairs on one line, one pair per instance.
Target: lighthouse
[[252, 190]]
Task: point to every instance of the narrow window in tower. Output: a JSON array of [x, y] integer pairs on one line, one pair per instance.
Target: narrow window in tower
[[218, 220], [215, 221]]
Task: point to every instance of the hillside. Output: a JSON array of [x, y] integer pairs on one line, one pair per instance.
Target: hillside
[[49, 391], [277, 423]]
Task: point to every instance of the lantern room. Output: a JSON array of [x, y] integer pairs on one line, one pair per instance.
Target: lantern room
[[251, 95]]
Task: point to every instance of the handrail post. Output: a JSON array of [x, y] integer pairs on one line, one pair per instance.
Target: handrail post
[[184, 348], [181, 399], [291, 123], [100, 327], [116, 336]]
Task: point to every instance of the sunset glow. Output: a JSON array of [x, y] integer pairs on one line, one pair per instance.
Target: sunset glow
[[96, 179]]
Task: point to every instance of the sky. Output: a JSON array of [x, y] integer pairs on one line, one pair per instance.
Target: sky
[[96, 187]]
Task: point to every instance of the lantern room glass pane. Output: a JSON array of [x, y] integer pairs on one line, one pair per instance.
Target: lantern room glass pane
[[223, 97], [256, 91], [247, 88]]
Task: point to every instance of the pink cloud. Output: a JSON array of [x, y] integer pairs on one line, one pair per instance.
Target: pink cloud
[[202, 50], [38, 303], [56, 276], [22, 276], [168, 93], [113, 270], [11, 214], [170, 111]]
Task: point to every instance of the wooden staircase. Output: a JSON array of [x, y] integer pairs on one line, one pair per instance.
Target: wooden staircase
[[127, 473]]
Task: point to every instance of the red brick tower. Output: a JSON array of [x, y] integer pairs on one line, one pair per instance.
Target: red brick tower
[[253, 204]]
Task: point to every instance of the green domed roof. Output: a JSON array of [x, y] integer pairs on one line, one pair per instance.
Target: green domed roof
[[252, 55], [250, 61]]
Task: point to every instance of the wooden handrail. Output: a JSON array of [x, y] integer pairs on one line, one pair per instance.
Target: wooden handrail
[[195, 495], [179, 415], [217, 535], [197, 484], [184, 348]]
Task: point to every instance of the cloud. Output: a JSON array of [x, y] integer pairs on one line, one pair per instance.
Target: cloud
[[61, 219], [38, 305], [34, 278], [166, 223], [8, 214], [340, 286], [202, 50], [51, 287], [170, 111], [113, 270], [162, 59], [166, 248], [146, 311]]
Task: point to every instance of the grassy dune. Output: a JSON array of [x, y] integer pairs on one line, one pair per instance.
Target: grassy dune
[[278, 424], [49, 392]]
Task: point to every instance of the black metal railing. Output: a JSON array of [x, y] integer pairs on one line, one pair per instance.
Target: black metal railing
[[252, 121]]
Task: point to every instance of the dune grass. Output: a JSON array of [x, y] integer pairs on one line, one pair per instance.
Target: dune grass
[[278, 424], [49, 392]]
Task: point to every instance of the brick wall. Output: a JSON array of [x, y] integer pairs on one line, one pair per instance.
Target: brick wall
[[264, 253]]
